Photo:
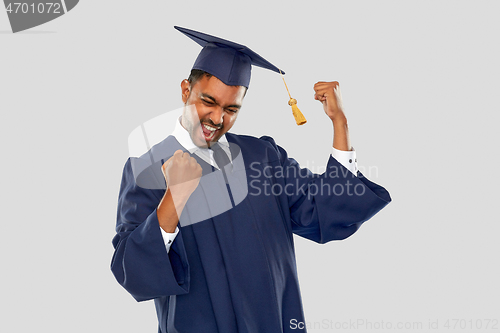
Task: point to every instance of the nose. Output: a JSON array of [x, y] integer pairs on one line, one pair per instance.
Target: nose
[[217, 115]]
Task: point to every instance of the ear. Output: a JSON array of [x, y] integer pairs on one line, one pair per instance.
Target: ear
[[185, 90]]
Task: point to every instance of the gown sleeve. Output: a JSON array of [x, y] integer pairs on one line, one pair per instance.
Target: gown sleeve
[[328, 206], [141, 263]]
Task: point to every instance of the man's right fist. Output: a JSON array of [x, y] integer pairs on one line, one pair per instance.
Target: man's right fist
[[182, 173]]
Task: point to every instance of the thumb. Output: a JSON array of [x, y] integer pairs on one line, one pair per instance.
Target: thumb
[[167, 162]]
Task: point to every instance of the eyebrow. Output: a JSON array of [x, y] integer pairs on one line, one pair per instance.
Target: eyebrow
[[207, 96]]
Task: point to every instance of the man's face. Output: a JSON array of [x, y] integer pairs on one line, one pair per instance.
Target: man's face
[[214, 109]]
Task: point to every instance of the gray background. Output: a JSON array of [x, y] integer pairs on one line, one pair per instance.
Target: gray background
[[420, 88]]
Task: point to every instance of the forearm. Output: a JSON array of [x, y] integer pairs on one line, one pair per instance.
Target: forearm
[[169, 210], [341, 134], [182, 175]]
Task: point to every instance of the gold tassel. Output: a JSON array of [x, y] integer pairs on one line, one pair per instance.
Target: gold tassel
[[299, 117]]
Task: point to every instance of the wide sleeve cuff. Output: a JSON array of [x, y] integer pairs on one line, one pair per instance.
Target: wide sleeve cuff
[[347, 159], [168, 237]]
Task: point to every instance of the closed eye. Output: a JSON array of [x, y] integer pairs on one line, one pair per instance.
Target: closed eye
[[207, 102]]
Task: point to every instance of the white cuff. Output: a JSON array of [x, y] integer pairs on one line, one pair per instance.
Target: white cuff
[[347, 159], [168, 237]]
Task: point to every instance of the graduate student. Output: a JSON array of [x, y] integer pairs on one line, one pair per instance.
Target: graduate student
[[205, 217]]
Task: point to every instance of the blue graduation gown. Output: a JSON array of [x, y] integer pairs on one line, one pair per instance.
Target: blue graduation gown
[[236, 271]]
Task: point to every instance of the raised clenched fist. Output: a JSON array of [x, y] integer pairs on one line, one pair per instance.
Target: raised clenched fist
[[182, 173], [328, 93]]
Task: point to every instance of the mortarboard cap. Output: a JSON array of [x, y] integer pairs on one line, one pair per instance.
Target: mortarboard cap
[[232, 63], [228, 61]]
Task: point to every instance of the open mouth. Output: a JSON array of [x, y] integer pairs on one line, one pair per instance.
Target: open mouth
[[208, 131]]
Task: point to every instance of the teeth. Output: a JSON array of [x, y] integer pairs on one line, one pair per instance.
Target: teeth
[[210, 128]]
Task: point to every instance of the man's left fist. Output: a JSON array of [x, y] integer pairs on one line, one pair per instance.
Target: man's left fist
[[328, 93]]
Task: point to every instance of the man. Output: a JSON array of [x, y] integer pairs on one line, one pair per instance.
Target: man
[[205, 218]]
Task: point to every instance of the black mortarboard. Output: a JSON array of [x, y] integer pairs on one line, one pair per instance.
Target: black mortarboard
[[228, 61]]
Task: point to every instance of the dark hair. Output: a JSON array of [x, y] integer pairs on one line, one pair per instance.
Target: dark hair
[[197, 74]]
